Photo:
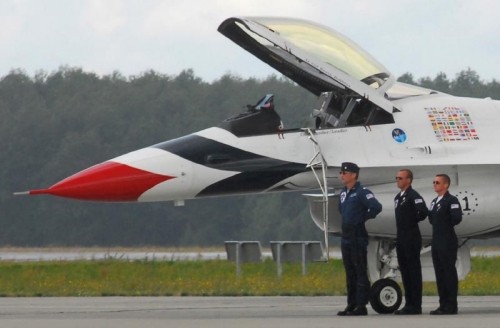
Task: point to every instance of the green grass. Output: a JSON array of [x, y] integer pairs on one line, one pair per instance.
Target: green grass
[[201, 278]]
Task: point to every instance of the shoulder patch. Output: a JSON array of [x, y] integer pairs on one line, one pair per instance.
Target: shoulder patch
[[419, 201], [369, 196], [454, 206]]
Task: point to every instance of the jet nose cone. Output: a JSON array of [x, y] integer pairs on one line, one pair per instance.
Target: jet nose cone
[[108, 181]]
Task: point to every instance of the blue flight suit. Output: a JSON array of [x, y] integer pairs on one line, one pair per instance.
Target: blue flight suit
[[356, 206], [409, 209], [444, 216]]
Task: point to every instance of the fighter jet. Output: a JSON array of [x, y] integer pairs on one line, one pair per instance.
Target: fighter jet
[[362, 115]]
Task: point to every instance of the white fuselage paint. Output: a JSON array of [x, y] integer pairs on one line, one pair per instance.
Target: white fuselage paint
[[473, 165]]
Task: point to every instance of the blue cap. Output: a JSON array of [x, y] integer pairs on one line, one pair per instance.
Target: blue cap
[[349, 167]]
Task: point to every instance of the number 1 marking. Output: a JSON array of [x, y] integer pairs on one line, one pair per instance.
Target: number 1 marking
[[466, 199]]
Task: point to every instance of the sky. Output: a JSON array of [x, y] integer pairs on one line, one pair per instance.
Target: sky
[[422, 37]]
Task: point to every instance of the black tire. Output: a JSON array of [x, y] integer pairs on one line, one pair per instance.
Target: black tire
[[386, 296]]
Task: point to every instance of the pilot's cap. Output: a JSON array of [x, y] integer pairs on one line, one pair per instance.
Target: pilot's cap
[[349, 167]]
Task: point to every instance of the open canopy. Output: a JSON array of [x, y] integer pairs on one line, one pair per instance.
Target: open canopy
[[314, 56]]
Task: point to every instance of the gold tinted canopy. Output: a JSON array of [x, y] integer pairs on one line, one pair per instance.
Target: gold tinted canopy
[[325, 44]]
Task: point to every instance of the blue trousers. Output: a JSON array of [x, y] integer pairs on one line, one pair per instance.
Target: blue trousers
[[355, 264], [444, 258], [408, 250]]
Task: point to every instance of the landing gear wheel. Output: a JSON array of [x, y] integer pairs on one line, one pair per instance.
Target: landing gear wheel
[[386, 296]]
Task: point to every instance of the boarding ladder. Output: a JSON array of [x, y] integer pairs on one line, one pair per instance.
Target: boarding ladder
[[318, 162]]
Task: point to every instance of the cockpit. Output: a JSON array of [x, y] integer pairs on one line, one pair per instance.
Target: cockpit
[[351, 85], [330, 112]]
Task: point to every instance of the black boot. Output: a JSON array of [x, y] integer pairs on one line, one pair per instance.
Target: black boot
[[358, 310], [348, 309], [444, 311]]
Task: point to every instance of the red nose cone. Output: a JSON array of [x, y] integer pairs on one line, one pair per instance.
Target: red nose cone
[[109, 181]]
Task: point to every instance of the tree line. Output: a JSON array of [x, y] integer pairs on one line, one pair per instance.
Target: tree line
[[55, 124]]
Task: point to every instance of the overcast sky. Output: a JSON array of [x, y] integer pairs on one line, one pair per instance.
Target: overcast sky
[[423, 37]]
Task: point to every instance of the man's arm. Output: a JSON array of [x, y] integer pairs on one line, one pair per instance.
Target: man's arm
[[420, 206], [455, 211], [373, 206]]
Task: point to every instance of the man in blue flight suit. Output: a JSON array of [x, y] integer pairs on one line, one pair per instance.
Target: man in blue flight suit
[[444, 214], [357, 204], [409, 209]]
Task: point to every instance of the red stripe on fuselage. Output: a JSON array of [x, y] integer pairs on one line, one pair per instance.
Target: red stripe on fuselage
[[109, 181]]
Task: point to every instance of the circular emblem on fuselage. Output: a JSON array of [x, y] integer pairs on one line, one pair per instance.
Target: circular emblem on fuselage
[[399, 135]]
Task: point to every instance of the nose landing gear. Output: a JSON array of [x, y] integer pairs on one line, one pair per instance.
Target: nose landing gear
[[386, 296]]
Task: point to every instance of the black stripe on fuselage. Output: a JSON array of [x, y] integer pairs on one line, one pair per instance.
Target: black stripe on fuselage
[[257, 173]]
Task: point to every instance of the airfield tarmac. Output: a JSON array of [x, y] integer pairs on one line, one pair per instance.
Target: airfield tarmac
[[237, 312]]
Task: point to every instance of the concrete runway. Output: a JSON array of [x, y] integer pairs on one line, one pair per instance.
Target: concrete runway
[[234, 312]]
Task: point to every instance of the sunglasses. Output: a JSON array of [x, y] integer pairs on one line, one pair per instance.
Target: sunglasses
[[436, 182], [399, 178], [344, 172]]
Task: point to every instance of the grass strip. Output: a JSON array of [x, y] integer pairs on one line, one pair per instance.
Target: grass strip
[[201, 278]]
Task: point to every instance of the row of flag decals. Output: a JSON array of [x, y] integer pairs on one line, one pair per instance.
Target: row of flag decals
[[451, 124]]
